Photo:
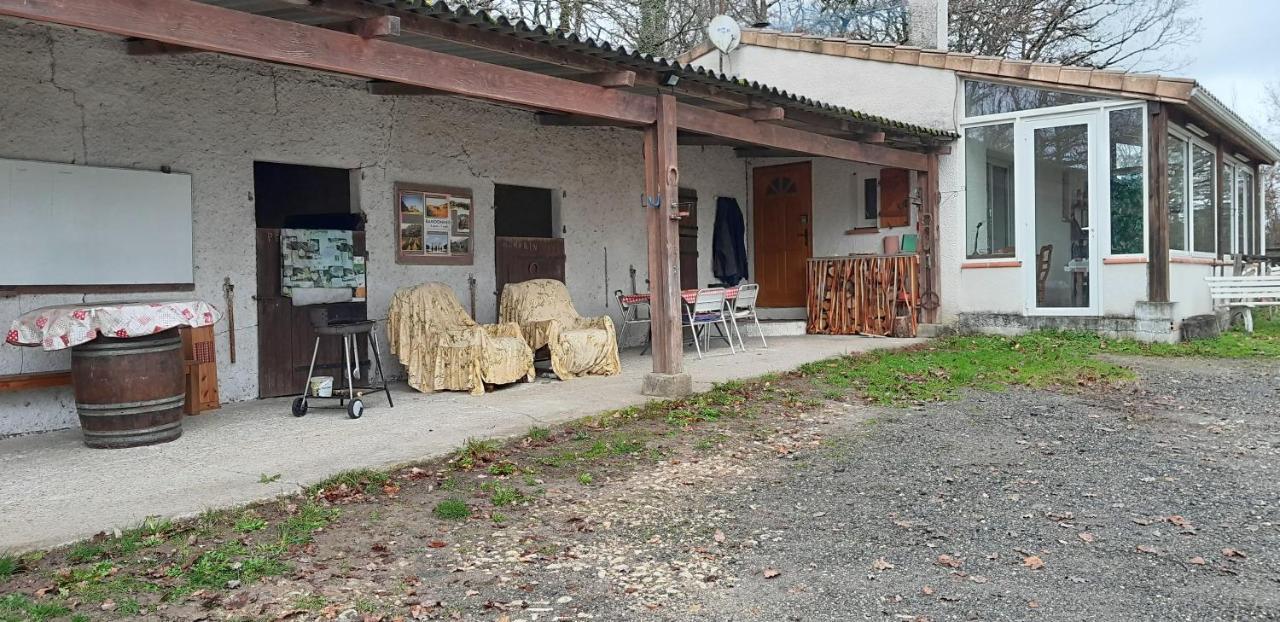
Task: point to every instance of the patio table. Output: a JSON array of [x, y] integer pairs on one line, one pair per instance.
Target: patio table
[[688, 295]]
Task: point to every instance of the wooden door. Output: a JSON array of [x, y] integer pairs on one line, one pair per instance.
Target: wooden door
[[520, 259], [782, 222], [689, 239], [285, 335]]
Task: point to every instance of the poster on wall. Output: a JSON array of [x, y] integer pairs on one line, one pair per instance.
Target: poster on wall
[[434, 225]]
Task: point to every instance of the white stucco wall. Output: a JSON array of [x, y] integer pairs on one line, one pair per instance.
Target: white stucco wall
[[919, 95], [1188, 288], [73, 96]]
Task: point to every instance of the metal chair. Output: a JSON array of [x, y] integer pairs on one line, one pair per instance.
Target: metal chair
[[631, 315], [744, 307], [708, 309]]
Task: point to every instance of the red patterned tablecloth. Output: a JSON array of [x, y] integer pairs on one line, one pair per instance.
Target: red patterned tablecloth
[[688, 295], [63, 326]]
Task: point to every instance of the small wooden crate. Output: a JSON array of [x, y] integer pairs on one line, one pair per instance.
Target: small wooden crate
[[201, 369]]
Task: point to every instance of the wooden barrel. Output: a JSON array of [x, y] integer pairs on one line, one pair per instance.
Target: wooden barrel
[[129, 392]]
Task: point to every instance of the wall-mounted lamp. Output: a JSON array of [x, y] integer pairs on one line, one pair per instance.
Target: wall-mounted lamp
[[669, 78], [1197, 130]]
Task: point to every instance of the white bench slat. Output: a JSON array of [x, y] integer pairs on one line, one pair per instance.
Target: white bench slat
[[1245, 291]]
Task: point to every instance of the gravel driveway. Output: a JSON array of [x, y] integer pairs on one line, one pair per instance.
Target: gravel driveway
[[1156, 502]]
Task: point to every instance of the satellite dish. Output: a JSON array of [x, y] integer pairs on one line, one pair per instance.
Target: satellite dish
[[724, 33]]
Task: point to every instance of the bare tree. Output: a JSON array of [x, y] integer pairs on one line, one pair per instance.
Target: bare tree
[[1094, 33], [1271, 174]]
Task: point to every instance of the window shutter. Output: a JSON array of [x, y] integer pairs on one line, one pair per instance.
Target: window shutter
[[895, 197]]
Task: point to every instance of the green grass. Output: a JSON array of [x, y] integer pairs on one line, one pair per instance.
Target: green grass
[[249, 522], [938, 372], [309, 602], [267, 479], [585, 479], [9, 566], [231, 561], [504, 495], [300, 528], [474, 452], [505, 467], [1234, 344], [20, 608], [452, 509], [369, 481], [539, 433]]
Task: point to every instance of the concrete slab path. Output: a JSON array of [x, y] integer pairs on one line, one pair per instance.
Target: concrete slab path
[[55, 490]]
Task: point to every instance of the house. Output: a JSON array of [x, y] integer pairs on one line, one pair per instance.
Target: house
[[1075, 198], [477, 151], [462, 147]]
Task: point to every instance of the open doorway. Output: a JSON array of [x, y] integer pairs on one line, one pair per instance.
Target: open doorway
[[526, 246], [291, 196], [688, 205]]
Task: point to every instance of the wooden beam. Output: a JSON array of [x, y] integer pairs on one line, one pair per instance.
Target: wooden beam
[[38, 380], [217, 29], [930, 241], [764, 152], [608, 79], [1223, 223], [705, 121], [662, 182], [1158, 203], [375, 27], [874, 138], [143, 47], [564, 120], [772, 113], [378, 87]]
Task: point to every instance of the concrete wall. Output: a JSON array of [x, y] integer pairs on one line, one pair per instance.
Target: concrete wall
[[73, 96]]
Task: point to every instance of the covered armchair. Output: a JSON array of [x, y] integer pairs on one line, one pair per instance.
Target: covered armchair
[[444, 349], [578, 345]]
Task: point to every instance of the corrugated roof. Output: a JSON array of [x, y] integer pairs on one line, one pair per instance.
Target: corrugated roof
[[1184, 91], [629, 58]]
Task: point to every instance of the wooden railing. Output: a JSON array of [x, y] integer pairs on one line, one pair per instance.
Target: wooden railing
[[865, 295]]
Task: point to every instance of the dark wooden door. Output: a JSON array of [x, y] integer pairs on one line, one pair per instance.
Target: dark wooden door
[[524, 259], [783, 232], [285, 335], [689, 239]]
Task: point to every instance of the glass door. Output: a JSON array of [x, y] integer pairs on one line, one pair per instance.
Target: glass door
[[1056, 192]]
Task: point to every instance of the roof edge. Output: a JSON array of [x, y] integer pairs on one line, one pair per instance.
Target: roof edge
[[1204, 102]]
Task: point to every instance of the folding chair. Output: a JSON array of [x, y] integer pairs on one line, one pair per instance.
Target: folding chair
[[631, 315], [708, 309], [744, 307]]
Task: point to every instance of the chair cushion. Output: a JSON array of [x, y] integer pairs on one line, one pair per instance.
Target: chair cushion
[[586, 349]]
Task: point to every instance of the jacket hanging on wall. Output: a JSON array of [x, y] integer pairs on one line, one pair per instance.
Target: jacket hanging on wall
[[728, 243]]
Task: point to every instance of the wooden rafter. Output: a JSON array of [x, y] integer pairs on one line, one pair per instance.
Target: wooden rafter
[[608, 79], [772, 113], [375, 27], [379, 87]]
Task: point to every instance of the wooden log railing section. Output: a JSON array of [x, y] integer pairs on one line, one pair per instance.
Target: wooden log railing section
[[863, 295]]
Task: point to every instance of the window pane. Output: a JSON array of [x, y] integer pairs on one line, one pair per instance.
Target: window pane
[[1202, 229], [990, 98], [988, 153], [1226, 217], [1177, 193], [1244, 198], [1127, 204]]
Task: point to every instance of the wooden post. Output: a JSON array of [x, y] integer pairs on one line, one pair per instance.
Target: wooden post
[[931, 270], [662, 179], [1158, 203], [1223, 221]]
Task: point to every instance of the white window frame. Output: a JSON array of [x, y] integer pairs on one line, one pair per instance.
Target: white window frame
[[1104, 158], [1013, 178], [1192, 141]]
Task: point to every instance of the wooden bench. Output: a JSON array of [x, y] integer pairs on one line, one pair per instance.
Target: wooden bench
[[1244, 293], [38, 380]]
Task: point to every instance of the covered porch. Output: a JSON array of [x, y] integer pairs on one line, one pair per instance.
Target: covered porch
[[405, 86], [219, 461]]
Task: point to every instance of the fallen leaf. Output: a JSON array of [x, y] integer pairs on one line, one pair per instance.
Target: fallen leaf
[[1142, 548], [1086, 536], [770, 573], [1232, 553], [1033, 604], [977, 578], [1178, 520], [926, 590], [881, 564], [719, 537], [437, 544], [1143, 521], [1033, 562], [1199, 561], [949, 561]]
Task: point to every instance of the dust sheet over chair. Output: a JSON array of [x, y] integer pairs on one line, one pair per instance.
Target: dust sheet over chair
[[444, 349], [578, 345]]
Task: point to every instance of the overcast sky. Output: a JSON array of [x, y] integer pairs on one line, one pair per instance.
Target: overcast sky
[[1238, 52]]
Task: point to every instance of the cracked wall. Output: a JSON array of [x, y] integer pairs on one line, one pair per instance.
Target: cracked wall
[[74, 96]]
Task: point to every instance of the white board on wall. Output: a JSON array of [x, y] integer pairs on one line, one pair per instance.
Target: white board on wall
[[63, 224]]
